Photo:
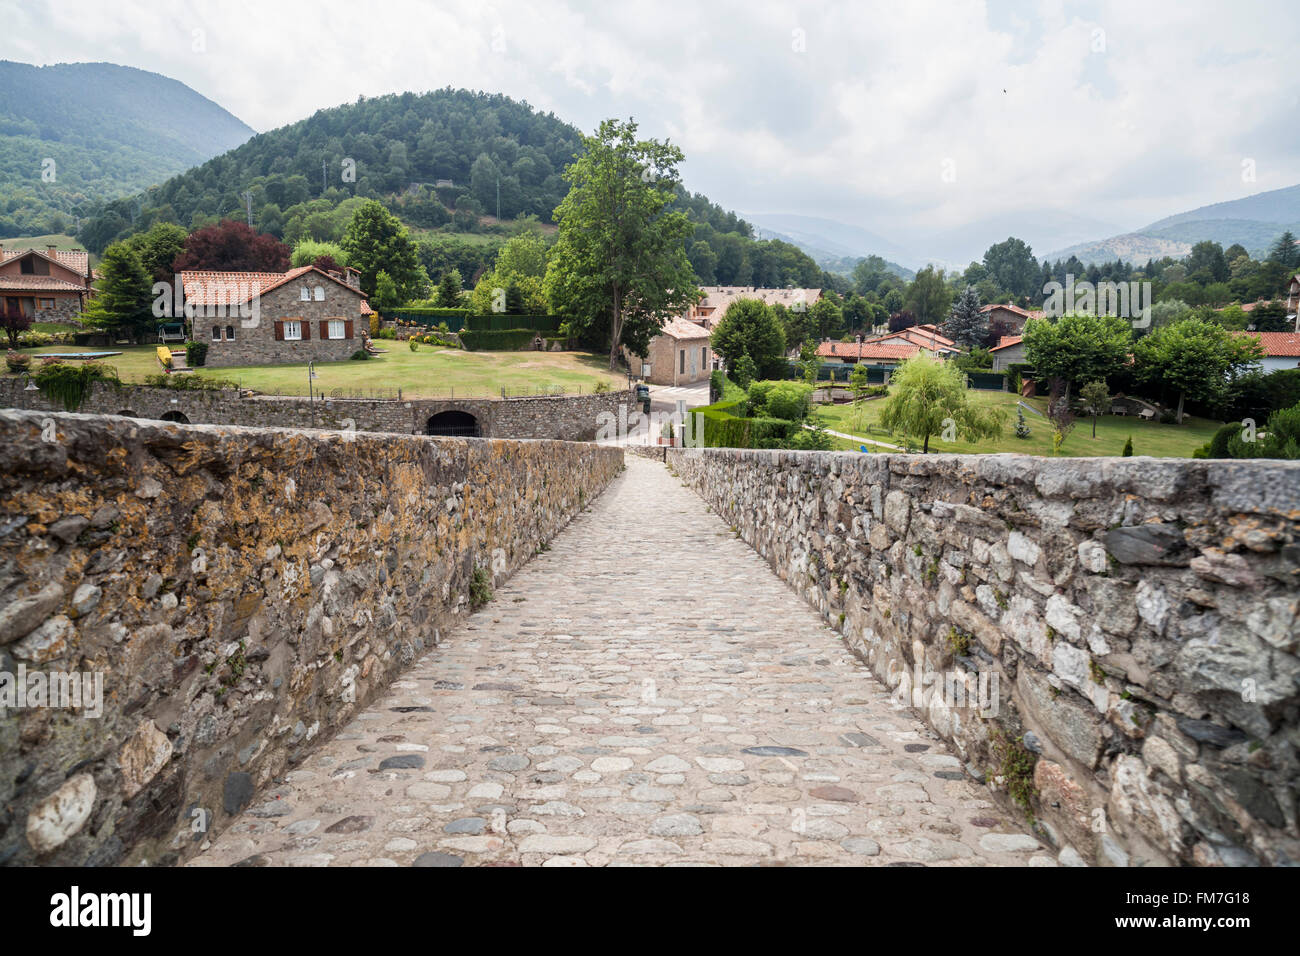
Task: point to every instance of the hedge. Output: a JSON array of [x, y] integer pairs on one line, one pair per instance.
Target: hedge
[[430, 316], [497, 340], [721, 429], [501, 322]]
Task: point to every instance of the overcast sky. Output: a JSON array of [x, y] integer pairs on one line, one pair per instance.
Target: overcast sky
[[903, 117]]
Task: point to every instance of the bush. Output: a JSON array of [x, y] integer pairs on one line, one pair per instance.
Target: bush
[[602, 386], [788, 400], [502, 322], [196, 354], [189, 383], [69, 384], [386, 334], [360, 355], [1168, 418], [374, 326], [811, 439], [414, 343], [1128, 448], [497, 340], [17, 361]]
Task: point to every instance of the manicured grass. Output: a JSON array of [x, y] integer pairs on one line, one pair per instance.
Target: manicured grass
[[1149, 438], [429, 373]]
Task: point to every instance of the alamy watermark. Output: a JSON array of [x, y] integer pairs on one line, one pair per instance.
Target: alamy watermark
[[58, 690]]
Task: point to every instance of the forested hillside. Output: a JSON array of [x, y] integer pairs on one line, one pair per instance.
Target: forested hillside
[[74, 134]]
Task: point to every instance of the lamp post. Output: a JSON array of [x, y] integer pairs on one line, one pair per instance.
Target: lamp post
[[29, 387], [311, 399]]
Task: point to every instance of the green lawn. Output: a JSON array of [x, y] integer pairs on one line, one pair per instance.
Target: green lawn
[[429, 373], [1149, 438]]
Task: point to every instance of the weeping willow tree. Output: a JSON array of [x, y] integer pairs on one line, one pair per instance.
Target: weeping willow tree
[[70, 384], [928, 397]]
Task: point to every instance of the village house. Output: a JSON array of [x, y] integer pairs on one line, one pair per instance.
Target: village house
[[276, 318], [1281, 350], [49, 285], [678, 355], [1009, 351], [1013, 318], [714, 301], [1293, 301], [870, 352]]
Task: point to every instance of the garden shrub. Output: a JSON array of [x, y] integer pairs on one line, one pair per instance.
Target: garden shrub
[[70, 384], [497, 340], [360, 355], [17, 361], [196, 354]]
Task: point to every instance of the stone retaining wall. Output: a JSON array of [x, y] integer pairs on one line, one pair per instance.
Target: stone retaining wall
[[1136, 617], [562, 417], [241, 593]]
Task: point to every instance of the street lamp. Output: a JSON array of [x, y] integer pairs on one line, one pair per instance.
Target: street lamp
[[30, 386], [311, 400]]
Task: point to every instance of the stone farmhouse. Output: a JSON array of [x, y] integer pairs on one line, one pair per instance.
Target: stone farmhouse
[[1012, 316], [276, 318], [678, 355], [50, 285]]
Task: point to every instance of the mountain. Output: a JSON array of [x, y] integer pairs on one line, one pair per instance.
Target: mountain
[[835, 246], [1253, 221], [959, 246], [74, 134]]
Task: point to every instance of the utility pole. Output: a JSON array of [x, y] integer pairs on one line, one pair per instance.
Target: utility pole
[[498, 197], [324, 178], [248, 203]]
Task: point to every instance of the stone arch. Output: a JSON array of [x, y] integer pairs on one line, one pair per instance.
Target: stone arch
[[174, 416], [453, 422]]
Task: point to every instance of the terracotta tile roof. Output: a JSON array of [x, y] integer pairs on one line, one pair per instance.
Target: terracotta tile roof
[[921, 335], [365, 307], [1007, 341], [681, 329], [75, 259], [1278, 344], [868, 350], [229, 288], [39, 283]]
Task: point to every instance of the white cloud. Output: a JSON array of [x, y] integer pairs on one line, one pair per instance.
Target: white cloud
[[855, 127]]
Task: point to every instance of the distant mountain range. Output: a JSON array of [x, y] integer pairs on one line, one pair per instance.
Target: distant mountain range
[[75, 134], [835, 246], [1253, 221]]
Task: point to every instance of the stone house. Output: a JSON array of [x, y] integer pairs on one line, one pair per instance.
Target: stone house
[[678, 355], [1013, 318], [714, 300], [50, 285], [273, 318]]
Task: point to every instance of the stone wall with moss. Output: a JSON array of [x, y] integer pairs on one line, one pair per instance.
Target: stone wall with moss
[[1111, 643], [241, 593]]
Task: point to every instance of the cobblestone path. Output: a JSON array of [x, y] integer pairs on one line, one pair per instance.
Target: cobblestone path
[[644, 692]]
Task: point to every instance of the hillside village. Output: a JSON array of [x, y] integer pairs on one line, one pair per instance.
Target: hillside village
[[422, 481]]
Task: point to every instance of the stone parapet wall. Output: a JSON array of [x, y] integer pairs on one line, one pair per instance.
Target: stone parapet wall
[[1114, 641], [561, 417], [241, 594]]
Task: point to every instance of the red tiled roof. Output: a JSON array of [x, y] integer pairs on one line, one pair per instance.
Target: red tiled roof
[[1278, 344], [232, 288], [919, 335], [867, 350], [39, 283], [681, 329], [1007, 341], [365, 307], [77, 260]]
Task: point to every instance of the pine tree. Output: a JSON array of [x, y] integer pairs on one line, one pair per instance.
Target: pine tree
[[1285, 251], [449, 289], [966, 325], [1022, 427]]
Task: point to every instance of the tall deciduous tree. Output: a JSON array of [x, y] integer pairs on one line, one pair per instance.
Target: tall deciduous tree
[[376, 241], [928, 297], [1195, 357], [927, 395], [748, 327], [619, 264], [1012, 266], [1078, 347], [1096, 397], [966, 325], [158, 248], [232, 246]]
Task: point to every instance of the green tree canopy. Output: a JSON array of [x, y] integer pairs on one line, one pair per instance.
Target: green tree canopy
[[1195, 358], [377, 241], [966, 324], [927, 395], [123, 305], [748, 327], [620, 262], [1078, 347]]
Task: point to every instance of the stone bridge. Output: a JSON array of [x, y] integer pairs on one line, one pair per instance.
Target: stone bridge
[[339, 649]]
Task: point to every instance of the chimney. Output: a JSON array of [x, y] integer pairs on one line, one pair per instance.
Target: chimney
[[52, 250], [353, 277], [859, 338]]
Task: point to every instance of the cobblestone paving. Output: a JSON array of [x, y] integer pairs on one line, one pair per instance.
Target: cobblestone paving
[[644, 692]]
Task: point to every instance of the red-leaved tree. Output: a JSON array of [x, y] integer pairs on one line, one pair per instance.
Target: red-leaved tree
[[13, 320], [232, 246]]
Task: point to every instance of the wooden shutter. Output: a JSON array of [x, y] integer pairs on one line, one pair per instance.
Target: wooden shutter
[[324, 330], [347, 328], [279, 331], [306, 330]]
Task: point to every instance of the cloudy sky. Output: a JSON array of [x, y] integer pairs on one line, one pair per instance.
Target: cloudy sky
[[906, 118]]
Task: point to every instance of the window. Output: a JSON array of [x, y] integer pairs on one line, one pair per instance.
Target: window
[[304, 294], [337, 330], [292, 329], [704, 356], [319, 293], [44, 303], [230, 333], [682, 363], [216, 333]]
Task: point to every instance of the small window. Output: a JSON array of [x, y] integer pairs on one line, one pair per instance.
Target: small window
[[216, 333], [319, 293], [682, 362], [230, 333], [304, 294], [336, 328], [704, 356], [292, 329], [45, 303]]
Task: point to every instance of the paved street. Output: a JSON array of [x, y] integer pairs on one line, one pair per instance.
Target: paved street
[[644, 692]]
